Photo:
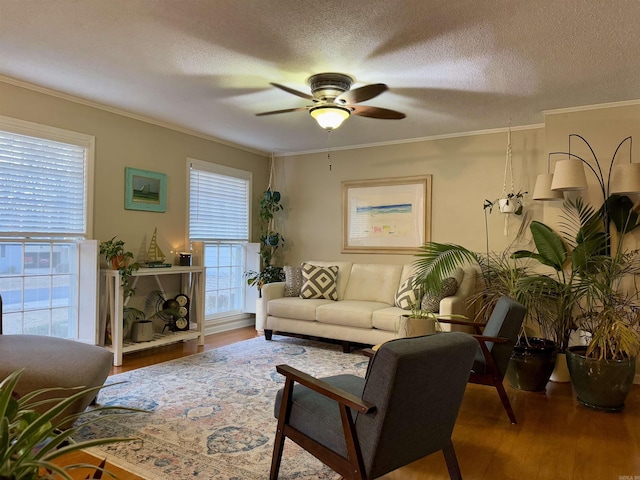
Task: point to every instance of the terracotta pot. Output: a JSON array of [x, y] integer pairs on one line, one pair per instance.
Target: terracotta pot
[[119, 261]]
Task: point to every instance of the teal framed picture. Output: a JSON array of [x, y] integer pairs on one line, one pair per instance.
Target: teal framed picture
[[145, 190]]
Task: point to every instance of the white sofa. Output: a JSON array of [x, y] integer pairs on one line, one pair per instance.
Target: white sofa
[[364, 312]]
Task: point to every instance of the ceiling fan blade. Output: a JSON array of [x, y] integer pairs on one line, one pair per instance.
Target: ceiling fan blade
[[293, 92], [363, 93], [286, 110], [376, 112]]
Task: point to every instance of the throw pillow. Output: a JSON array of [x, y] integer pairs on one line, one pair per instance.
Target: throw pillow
[[431, 303], [319, 282], [407, 294], [293, 281]]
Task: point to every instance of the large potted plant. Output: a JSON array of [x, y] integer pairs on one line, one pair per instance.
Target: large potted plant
[[588, 285], [31, 441], [270, 242], [534, 358]]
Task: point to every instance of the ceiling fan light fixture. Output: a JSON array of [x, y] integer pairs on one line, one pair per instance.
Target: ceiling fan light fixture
[[330, 117]]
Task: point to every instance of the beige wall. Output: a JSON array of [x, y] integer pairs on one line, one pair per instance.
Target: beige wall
[[122, 142], [465, 171]]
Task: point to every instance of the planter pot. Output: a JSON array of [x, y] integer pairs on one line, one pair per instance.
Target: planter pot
[[531, 364], [507, 206], [142, 331], [600, 384]]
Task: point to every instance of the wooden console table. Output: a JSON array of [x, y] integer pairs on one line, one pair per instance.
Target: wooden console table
[[112, 304]]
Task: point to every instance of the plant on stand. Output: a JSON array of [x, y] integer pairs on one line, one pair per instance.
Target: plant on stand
[[122, 260], [270, 239]]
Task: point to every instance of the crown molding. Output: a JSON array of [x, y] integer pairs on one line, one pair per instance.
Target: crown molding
[[597, 106], [125, 113], [492, 131]]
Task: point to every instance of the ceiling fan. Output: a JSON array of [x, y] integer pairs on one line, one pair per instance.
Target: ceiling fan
[[334, 101]]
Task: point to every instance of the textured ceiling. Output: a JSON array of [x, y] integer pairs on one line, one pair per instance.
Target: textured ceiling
[[451, 65]]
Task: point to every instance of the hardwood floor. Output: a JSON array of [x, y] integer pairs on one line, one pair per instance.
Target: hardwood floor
[[555, 438]]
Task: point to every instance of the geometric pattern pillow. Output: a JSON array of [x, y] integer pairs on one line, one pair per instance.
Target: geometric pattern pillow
[[293, 281], [407, 295], [319, 282], [431, 303]]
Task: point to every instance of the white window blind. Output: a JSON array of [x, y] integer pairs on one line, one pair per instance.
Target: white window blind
[[31, 173], [218, 203]]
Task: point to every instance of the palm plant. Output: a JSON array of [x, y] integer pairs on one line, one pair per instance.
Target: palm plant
[[30, 441], [586, 279]]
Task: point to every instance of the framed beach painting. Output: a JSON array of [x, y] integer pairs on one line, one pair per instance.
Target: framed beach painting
[[390, 215], [145, 190]]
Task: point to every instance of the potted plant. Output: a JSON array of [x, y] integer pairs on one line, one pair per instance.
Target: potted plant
[[30, 441], [502, 274], [588, 285], [270, 242], [120, 259]]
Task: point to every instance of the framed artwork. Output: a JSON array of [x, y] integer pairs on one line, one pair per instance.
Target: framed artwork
[[144, 190], [390, 215]]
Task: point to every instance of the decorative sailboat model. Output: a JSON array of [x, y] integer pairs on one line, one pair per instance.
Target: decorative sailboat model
[[155, 256]]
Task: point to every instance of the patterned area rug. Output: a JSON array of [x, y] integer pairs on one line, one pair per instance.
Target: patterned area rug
[[212, 413]]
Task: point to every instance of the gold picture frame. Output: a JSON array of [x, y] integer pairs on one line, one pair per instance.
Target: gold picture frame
[[391, 215]]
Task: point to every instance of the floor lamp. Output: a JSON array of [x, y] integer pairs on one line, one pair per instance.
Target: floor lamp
[[569, 175]]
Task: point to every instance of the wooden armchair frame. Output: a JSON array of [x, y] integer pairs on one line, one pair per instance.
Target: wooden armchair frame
[[351, 467], [492, 375]]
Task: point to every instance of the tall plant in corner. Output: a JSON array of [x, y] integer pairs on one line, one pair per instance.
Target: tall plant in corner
[[270, 239]]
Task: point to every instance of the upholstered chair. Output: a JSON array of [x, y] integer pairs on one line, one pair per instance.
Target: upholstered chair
[[403, 410], [496, 339], [50, 362]]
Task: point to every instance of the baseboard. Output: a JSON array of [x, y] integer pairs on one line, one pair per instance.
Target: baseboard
[[228, 323]]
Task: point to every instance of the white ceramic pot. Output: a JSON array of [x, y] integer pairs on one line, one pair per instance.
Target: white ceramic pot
[[507, 205], [560, 372]]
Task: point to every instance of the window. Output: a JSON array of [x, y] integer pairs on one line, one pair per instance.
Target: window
[[44, 222], [219, 199]]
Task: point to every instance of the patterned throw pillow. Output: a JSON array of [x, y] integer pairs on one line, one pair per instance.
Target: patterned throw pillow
[[431, 303], [407, 295], [319, 282], [293, 281]]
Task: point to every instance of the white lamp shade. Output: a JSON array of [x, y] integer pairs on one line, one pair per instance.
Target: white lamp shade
[[569, 175], [625, 178], [330, 117], [542, 189]]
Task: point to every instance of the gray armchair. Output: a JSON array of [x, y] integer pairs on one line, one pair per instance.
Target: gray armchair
[[50, 362], [405, 409], [496, 339]]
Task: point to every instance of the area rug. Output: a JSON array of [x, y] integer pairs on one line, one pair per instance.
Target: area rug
[[212, 413]]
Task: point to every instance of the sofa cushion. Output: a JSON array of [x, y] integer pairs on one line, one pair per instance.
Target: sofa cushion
[[373, 282], [408, 294], [431, 303], [344, 272], [352, 313], [319, 282], [295, 308], [293, 281]]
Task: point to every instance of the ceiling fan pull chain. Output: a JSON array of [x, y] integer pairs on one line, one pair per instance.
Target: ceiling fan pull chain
[[329, 150]]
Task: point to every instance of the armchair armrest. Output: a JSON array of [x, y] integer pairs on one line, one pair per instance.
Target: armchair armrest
[[476, 325], [323, 388]]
